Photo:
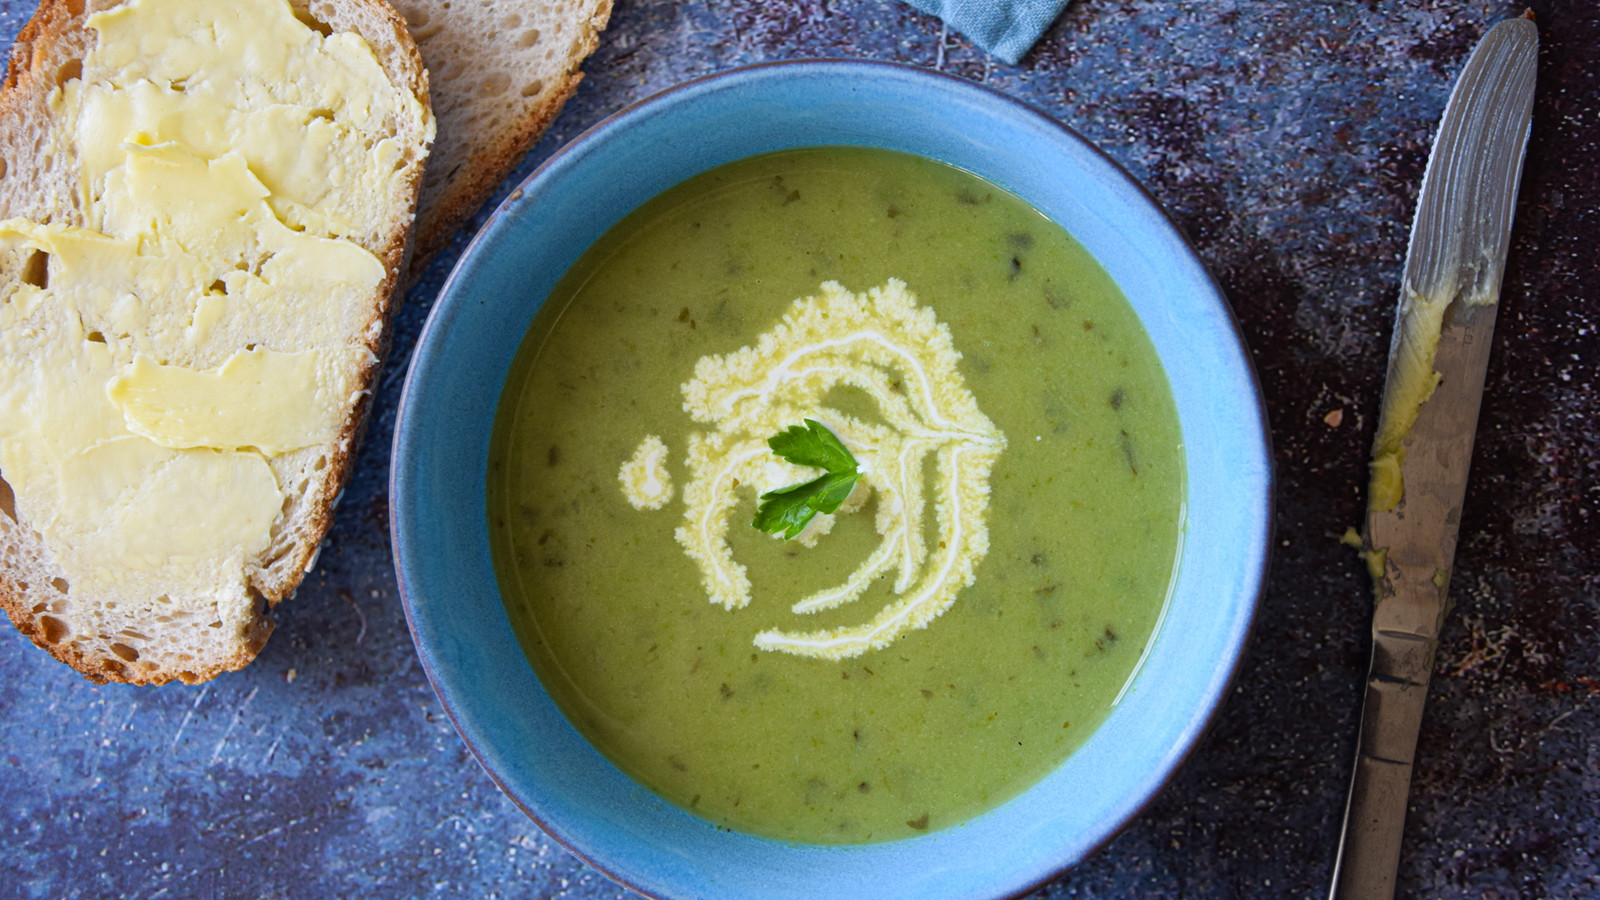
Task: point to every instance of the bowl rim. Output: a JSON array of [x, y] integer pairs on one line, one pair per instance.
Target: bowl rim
[[1255, 573]]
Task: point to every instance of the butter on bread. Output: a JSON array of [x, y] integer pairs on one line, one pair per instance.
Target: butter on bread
[[204, 210], [500, 71]]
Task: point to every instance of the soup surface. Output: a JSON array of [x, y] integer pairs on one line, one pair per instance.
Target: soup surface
[[990, 598]]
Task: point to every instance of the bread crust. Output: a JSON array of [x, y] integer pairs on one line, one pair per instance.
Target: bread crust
[[457, 187], [53, 39], [482, 173]]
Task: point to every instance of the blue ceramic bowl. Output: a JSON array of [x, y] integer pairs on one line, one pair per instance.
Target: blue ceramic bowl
[[448, 407]]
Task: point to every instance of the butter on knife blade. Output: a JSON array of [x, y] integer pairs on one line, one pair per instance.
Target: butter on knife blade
[[1421, 455]]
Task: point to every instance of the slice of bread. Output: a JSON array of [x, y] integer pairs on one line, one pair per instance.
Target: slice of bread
[[500, 71], [191, 327]]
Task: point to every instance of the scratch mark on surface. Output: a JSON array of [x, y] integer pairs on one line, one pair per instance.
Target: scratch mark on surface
[[271, 750], [199, 698], [1555, 724], [193, 872], [275, 830], [361, 617], [1504, 749], [237, 715]]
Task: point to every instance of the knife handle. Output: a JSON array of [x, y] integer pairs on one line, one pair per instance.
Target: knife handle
[[1370, 854], [1374, 819]]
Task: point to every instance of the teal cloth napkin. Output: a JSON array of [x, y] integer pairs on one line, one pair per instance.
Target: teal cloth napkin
[[1005, 28]]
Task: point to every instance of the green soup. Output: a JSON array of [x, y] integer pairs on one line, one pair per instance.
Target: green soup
[[1079, 506]]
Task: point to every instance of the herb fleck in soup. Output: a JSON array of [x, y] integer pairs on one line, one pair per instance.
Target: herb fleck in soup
[[987, 587]]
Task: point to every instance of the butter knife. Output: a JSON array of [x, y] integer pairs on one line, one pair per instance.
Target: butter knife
[[1440, 350]]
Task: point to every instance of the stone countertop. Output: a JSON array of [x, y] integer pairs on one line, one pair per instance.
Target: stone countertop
[[1288, 140]]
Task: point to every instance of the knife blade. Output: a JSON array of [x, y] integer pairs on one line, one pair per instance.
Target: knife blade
[[1437, 362]]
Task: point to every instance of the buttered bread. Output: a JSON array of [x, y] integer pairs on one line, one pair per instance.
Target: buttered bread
[[203, 215]]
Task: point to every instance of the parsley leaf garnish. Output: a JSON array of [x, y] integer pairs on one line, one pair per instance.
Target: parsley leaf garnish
[[787, 510]]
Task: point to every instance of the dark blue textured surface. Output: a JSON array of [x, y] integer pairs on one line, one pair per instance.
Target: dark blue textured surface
[[1288, 139]]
